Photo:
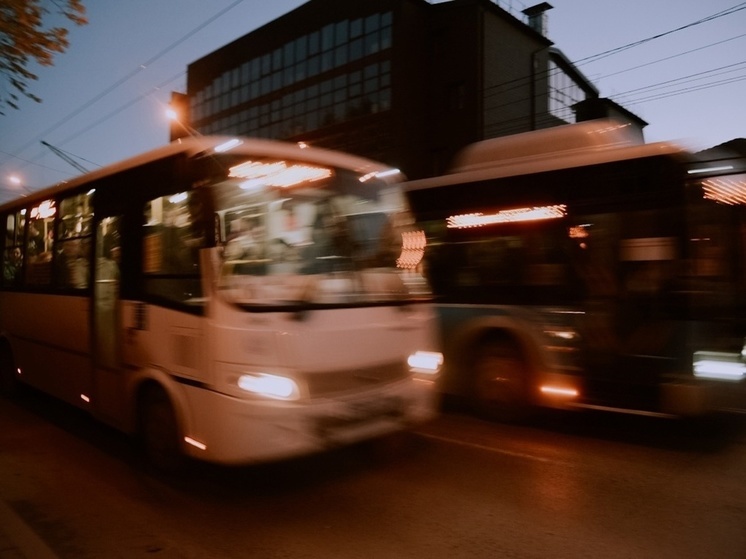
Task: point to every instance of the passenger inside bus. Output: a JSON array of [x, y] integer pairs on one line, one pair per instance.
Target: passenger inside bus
[[12, 266], [247, 240]]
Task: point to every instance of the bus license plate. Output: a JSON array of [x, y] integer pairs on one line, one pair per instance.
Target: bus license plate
[[358, 413]]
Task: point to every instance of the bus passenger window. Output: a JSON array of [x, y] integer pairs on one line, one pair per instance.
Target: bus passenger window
[[72, 263], [75, 217], [13, 253], [171, 243], [39, 243], [73, 249], [13, 260]]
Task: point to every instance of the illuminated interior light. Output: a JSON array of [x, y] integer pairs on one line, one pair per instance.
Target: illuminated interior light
[[428, 362], [466, 221], [195, 443], [176, 198], [91, 192], [413, 249], [44, 210], [271, 386], [279, 173], [388, 173], [726, 190], [559, 391], [85, 398], [578, 232], [229, 145], [710, 169], [567, 334], [379, 174]]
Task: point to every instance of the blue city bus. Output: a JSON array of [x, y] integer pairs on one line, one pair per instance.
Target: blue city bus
[[576, 267]]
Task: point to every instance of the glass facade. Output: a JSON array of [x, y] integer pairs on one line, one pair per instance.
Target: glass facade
[[564, 92], [281, 93]]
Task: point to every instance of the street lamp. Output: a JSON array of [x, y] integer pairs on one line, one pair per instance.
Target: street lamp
[[17, 183], [178, 128]]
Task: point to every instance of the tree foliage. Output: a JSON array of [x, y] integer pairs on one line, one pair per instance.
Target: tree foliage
[[25, 38]]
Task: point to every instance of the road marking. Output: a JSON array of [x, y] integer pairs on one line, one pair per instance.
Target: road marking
[[492, 449], [25, 542]]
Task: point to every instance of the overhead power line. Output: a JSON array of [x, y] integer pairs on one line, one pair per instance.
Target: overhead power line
[[127, 77], [599, 56], [684, 53], [519, 82], [515, 83], [67, 156]]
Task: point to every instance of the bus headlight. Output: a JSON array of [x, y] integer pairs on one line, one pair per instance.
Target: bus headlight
[[425, 362], [564, 334], [269, 386], [719, 366]]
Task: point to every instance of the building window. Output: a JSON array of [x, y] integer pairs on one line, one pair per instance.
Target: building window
[[333, 46], [564, 92]]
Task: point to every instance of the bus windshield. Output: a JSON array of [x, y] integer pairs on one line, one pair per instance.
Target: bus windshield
[[296, 234]]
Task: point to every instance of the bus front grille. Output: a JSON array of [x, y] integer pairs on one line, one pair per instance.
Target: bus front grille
[[333, 382]]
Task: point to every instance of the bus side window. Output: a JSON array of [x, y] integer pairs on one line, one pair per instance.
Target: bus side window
[[171, 243], [13, 250], [73, 248], [39, 243]]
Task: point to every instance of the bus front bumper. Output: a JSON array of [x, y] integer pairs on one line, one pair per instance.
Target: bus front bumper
[[230, 430]]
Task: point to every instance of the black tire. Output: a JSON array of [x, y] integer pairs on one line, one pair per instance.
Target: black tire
[[160, 434], [500, 381], [8, 381]]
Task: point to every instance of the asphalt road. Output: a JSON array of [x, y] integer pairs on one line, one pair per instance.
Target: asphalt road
[[565, 486]]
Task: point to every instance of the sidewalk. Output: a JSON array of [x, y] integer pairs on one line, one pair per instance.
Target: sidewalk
[[17, 540]]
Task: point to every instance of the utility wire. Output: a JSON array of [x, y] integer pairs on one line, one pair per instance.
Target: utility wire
[[522, 81], [698, 49], [128, 76], [599, 56], [691, 77], [516, 83], [123, 107]]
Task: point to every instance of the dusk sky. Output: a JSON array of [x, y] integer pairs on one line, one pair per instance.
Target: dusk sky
[[678, 65]]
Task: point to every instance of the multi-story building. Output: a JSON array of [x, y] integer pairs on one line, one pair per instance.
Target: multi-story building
[[407, 82]]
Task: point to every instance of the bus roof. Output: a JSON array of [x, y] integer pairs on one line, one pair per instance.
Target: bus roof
[[561, 147], [195, 145]]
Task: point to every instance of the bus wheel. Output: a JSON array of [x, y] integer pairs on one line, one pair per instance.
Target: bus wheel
[[159, 432], [8, 382], [499, 381]]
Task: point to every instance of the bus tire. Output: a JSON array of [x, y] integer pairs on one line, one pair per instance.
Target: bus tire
[[159, 432], [499, 380], [8, 381]]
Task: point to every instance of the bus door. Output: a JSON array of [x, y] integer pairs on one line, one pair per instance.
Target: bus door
[[107, 324]]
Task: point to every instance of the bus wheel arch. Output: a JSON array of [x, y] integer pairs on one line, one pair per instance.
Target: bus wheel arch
[[159, 430], [499, 374]]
